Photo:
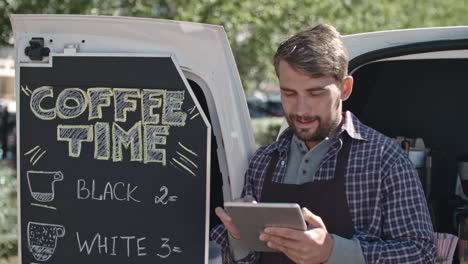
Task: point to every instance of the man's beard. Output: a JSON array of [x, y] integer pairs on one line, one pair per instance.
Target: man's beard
[[322, 131]]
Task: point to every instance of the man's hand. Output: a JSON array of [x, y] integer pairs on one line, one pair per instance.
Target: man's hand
[[303, 247], [227, 220]]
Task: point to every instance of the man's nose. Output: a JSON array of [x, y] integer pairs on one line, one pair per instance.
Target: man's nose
[[303, 105]]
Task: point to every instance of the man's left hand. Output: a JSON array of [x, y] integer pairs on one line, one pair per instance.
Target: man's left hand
[[303, 247]]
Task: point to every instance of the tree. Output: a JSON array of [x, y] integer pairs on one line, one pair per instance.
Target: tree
[[256, 27]]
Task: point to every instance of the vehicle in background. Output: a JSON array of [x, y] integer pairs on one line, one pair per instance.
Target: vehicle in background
[[263, 104], [7, 129]]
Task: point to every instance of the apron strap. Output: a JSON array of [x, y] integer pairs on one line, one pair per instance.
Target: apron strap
[[271, 166], [342, 158]]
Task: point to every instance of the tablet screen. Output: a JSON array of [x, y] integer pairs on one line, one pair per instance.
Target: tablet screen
[[252, 218]]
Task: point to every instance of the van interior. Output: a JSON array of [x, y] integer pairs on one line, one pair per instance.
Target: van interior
[[216, 179], [421, 98]]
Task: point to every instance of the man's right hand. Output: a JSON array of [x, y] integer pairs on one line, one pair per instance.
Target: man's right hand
[[227, 220]]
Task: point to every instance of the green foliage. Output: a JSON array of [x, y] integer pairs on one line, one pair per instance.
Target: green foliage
[[8, 220], [8, 248], [7, 201], [266, 129], [10, 260], [256, 27]]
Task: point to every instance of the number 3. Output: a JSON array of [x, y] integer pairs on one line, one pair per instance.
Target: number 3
[[166, 246]]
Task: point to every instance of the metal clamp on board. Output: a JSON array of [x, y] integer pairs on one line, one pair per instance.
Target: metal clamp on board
[[36, 50]]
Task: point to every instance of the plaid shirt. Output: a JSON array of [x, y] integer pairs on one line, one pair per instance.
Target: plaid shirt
[[384, 195]]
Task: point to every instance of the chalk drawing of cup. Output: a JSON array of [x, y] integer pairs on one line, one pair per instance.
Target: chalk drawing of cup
[[42, 239], [41, 184]]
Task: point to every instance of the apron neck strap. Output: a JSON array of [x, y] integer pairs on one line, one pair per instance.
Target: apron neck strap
[[271, 166], [342, 158]]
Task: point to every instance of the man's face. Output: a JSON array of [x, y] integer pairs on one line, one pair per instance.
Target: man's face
[[312, 106]]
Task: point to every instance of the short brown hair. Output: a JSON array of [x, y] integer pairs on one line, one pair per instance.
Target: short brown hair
[[317, 51]]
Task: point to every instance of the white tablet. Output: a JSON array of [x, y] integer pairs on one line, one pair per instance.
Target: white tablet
[[252, 218]]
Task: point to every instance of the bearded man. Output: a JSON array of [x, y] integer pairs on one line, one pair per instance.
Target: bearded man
[[359, 192]]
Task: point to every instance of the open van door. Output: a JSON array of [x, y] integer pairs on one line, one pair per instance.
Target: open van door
[[413, 83], [130, 132]]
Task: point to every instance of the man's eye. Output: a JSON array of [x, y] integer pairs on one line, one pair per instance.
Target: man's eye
[[316, 94], [287, 93]]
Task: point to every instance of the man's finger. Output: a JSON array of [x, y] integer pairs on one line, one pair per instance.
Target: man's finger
[[286, 243], [314, 221], [297, 251], [286, 233], [249, 199], [222, 214], [292, 254], [227, 221]]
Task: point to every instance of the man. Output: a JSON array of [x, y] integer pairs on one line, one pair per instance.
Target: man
[[360, 194]]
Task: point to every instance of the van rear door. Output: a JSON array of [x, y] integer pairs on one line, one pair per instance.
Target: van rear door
[[199, 54]]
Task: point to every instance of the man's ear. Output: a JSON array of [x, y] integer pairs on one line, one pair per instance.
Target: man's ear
[[347, 87]]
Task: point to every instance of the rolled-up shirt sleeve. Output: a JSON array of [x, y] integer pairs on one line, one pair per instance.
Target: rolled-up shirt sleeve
[[346, 251], [220, 235]]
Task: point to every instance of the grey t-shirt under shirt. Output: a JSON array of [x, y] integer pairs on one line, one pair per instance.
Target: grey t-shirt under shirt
[[303, 162]]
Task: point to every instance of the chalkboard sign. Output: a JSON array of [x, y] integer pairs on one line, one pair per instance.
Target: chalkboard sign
[[114, 162]]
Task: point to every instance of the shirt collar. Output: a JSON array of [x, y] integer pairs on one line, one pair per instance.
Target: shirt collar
[[284, 140], [351, 125], [301, 145]]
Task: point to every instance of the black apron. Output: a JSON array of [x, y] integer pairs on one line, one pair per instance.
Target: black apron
[[326, 198]]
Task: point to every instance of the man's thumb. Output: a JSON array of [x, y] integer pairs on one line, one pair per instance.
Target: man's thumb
[[314, 221]]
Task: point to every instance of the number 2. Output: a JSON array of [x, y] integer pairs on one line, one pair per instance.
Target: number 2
[[158, 199]]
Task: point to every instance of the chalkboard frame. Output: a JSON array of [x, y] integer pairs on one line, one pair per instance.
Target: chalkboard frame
[[49, 63]]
